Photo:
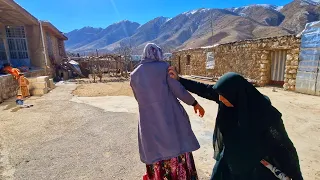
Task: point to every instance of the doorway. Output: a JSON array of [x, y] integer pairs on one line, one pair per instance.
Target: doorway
[[278, 66], [188, 65]]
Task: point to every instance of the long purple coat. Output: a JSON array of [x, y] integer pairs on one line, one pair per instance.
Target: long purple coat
[[164, 127]]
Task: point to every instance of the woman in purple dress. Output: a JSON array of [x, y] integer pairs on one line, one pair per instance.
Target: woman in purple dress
[[166, 140]]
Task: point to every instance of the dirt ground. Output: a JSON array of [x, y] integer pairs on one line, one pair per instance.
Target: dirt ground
[[60, 139], [104, 89], [301, 115], [78, 129], [110, 86]]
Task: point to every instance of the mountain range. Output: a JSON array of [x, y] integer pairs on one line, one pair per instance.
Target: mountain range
[[197, 28]]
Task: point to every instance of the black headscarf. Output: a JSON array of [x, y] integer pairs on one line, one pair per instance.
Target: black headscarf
[[238, 130]]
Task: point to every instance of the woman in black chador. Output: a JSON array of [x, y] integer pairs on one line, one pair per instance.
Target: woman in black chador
[[250, 141]]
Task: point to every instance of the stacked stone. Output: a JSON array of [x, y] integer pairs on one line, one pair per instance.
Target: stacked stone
[[8, 87], [39, 85], [51, 84], [198, 62], [264, 69], [292, 64]]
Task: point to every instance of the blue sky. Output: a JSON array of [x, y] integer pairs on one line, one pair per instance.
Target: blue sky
[[68, 15]]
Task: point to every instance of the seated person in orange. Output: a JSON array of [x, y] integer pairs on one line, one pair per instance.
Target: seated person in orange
[[10, 70], [23, 83]]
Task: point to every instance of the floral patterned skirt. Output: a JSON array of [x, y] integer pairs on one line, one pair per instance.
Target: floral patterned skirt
[[177, 168]]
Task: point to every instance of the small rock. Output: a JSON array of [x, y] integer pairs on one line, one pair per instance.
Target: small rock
[[289, 57]]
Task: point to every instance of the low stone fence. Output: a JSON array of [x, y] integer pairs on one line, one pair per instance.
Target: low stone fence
[[9, 86]]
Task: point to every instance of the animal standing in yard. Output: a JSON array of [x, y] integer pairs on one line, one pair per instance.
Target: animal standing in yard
[[166, 140], [248, 131]]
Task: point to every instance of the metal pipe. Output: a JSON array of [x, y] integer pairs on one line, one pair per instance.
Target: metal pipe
[[202, 77], [43, 45]]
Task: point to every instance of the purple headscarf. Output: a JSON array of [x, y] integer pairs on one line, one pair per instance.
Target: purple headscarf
[[152, 52]]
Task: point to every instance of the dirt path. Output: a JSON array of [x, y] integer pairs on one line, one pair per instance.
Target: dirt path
[[70, 137], [59, 139], [301, 115]]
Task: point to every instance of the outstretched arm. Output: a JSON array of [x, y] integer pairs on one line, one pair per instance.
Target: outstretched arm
[[181, 93], [201, 89]]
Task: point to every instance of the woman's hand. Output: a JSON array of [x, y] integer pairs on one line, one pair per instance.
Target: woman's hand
[[199, 110], [173, 73]]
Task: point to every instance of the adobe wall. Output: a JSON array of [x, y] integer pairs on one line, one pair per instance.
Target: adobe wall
[[57, 56], [35, 46]]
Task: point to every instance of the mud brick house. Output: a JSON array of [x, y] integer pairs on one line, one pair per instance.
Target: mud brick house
[[268, 61], [54, 46], [26, 42]]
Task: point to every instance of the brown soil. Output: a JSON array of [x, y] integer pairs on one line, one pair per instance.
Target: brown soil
[[104, 89], [300, 115]]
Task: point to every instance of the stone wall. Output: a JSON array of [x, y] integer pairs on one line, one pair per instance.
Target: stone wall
[[292, 64], [251, 58], [9, 86]]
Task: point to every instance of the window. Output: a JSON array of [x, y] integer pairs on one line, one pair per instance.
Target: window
[[188, 59], [3, 55], [17, 42]]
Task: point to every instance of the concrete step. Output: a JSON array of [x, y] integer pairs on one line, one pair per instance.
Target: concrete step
[[32, 79], [43, 79], [51, 84], [38, 85], [39, 92]]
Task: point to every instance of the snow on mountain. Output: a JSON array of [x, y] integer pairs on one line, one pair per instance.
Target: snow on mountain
[[279, 8], [310, 2], [266, 6], [243, 14], [202, 10], [123, 21], [194, 28]]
